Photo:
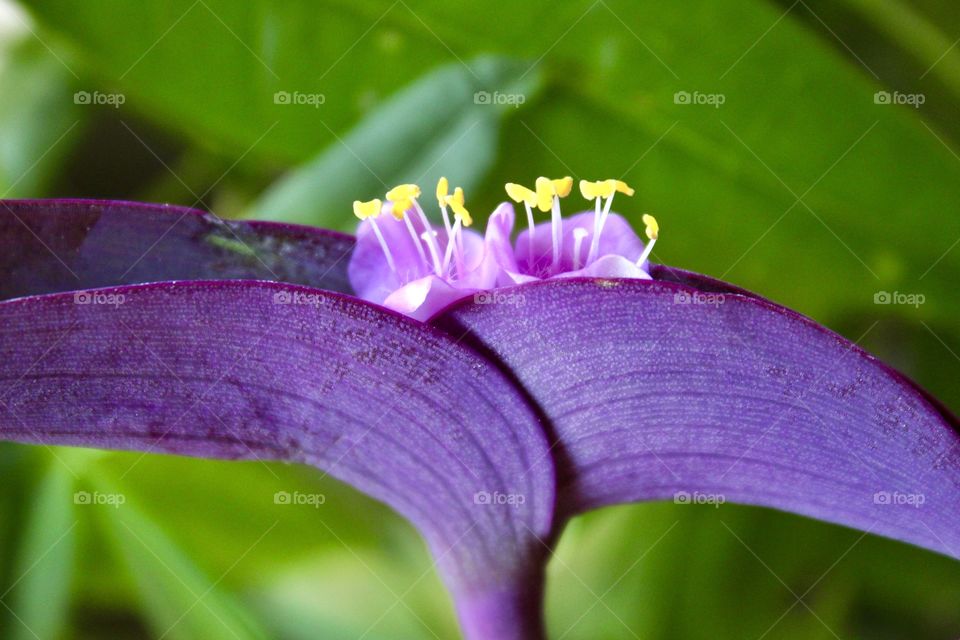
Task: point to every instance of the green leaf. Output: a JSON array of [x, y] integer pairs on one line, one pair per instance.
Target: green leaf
[[917, 34], [213, 68], [180, 600], [37, 115], [220, 503], [40, 592], [731, 572], [445, 124], [374, 595]]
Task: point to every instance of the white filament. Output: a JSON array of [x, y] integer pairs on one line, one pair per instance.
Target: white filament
[[415, 238], [599, 220], [578, 235], [646, 252], [446, 219], [430, 237], [383, 245], [531, 225], [595, 241], [557, 226], [451, 243]]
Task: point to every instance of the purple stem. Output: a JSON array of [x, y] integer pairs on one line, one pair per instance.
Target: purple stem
[[510, 612]]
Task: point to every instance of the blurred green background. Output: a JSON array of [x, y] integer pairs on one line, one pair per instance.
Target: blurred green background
[[805, 184]]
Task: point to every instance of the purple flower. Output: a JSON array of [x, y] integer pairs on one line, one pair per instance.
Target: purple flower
[[599, 244], [403, 263], [406, 265], [163, 329]]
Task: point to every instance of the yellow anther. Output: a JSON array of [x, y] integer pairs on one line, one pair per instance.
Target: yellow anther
[[545, 193], [653, 229], [369, 209], [563, 186], [400, 208], [442, 188], [597, 189], [455, 202], [622, 187], [604, 188], [519, 193], [403, 192]]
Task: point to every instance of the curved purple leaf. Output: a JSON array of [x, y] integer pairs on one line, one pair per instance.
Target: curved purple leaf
[[657, 390], [259, 370], [48, 246]]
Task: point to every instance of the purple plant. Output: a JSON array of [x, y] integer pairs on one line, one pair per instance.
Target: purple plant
[[534, 380]]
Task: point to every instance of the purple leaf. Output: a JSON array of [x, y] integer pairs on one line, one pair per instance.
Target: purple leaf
[[258, 370], [658, 390], [62, 245]]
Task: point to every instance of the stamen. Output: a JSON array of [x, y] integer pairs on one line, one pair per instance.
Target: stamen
[[370, 210], [383, 245], [556, 223], [544, 194], [623, 187], [415, 238], [456, 203], [563, 186], [549, 193], [547, 202], [451, 243], [599, 220], [442, 189], [430, 237], [578, 235], [653, 232], [597, 190], [403, 192], [595, 241], [404, 197], [532, 226], [618, 187], [463, 219], [518, 194]]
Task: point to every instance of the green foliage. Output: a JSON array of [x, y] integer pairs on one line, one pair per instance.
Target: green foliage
[[435, 127], [40, 594], [180, 600], [38, 116]]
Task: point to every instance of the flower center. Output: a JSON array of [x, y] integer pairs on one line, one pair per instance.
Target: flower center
[[444, 260], [546, 197]]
